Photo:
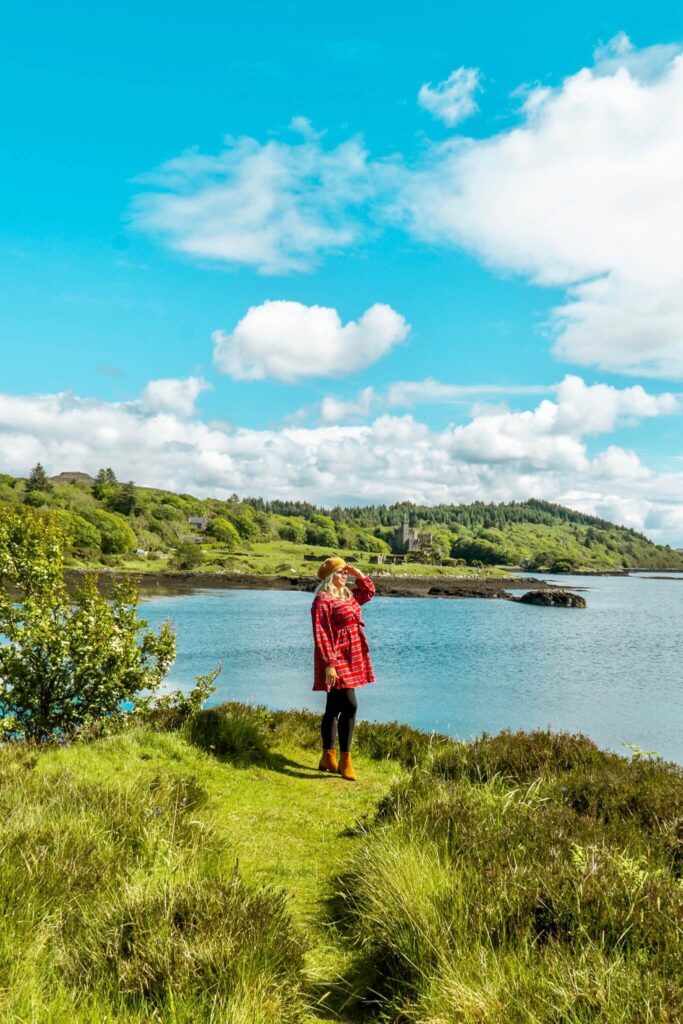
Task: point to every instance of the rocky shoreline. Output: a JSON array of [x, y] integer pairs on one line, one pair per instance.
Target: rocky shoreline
[[178, 583]]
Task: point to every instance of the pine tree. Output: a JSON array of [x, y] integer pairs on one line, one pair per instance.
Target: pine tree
[[38, 480], [105, 483], [125, 500]]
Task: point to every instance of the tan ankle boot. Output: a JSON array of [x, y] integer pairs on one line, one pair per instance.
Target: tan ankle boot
[[346, 768], [328, 762]]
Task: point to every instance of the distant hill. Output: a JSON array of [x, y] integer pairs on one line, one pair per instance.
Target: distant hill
[[107, 521]]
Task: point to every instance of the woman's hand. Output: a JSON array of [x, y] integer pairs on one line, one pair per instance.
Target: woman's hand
[[354, 571], [331, 677]]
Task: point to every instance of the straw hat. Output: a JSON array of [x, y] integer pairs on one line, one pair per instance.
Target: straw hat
[[330, 565]]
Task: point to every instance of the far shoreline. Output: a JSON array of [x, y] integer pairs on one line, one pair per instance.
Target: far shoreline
[[178, 583]]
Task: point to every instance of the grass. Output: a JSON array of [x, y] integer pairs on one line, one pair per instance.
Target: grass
[[284, 558], [216, 875]]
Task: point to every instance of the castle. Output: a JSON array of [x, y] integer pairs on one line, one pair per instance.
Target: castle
[[407, 538]]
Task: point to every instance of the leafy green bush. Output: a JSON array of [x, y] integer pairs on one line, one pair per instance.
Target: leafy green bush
[[71, 660], [222, 530], [117, 536], [187, 556]]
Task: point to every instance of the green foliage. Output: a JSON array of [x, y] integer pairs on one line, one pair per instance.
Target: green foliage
[[36, 499], [322, 531], [81, 537], [527, 877], [124, 500], [532, 534], [222, 530], [175, 709], [38, 481], [117, 537], [69, 660], [188, 555], [245, 732], [291, 528]]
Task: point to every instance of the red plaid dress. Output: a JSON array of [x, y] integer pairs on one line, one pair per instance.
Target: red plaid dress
[[339, 638]]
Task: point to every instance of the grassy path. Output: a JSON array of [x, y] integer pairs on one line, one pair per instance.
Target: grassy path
[[287, 825]]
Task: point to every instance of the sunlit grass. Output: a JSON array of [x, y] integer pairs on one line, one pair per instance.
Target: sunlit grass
[[216, 875]]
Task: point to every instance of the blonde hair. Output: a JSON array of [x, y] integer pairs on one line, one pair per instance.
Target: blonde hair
[[326, 586]]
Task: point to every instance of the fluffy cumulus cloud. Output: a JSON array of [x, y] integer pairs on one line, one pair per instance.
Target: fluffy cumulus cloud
[[585, 192], [289, 341], [496, 455], [452, 100], [173, 395], [274, 206]]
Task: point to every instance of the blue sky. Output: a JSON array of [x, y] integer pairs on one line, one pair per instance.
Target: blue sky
[[465, 173]]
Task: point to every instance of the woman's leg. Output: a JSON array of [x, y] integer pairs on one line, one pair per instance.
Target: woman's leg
[[348, 705], [328, 725]]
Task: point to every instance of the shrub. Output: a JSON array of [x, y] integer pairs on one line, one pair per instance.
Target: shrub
[[72, 659], [225, 532], [117, 536], [232, 732], [187, 556]]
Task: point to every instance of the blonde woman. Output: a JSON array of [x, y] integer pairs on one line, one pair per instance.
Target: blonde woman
[[341, 658]]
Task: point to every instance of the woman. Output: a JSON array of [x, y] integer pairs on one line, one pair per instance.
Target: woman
[[341, 658]]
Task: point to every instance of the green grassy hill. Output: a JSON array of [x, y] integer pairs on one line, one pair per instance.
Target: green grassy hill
[[216, 876], [120, 525]]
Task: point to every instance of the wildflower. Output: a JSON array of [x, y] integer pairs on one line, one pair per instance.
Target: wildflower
[[148, 814], [158, 810], [564, 789]]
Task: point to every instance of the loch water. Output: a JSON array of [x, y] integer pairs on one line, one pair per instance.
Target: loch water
[[613, 671]]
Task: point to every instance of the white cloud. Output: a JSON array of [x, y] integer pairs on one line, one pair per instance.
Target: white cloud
[[173, 395], [452, 100], [585, 193], [550, 434], [497, 456], [273, 206], [429, 391], [406, 394], [333, 410], [290, 341]]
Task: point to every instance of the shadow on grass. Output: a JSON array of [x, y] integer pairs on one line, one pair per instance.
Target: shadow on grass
[[294, 769]]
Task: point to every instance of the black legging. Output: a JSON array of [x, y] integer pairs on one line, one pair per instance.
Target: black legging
[[341, 705]]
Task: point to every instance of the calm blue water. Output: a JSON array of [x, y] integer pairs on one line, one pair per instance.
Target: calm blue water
[[613, 671]]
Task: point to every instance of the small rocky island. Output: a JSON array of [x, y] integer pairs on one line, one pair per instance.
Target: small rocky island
[[552, 599]]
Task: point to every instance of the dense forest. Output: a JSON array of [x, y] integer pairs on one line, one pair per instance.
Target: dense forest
[[108, 522]]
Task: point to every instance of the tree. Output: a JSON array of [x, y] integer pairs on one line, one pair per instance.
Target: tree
[[117, 536], [187, 556], [294, 531], [105, 485], [224, 532], [81, 537], [125, 500], [38, 481], [71, 660]]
